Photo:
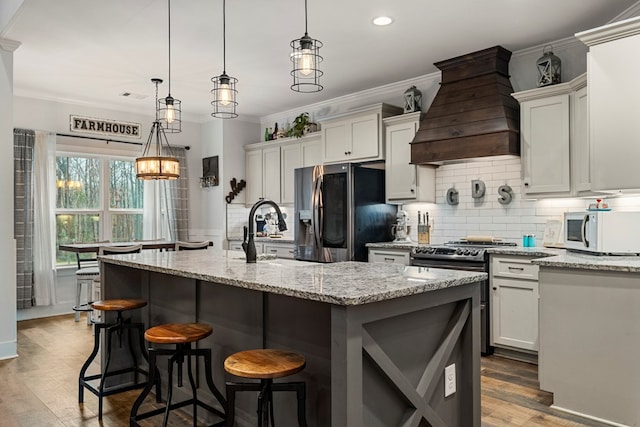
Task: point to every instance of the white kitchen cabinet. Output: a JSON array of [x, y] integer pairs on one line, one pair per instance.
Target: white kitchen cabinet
[[613, 105], [404, 181], [280, 250], [297, 154], [514, 302], [554, 139], [236, 245], [389, 256], [356, 136], [262, 171]]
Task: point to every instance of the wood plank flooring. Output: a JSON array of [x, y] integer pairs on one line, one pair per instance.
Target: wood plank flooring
[[40, 387]]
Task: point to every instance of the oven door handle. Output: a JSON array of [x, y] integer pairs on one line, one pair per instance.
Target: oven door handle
[[447, 266]]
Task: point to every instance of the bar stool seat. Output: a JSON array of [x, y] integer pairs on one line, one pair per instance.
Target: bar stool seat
[[118, 327], [182, 335], [265, 365]]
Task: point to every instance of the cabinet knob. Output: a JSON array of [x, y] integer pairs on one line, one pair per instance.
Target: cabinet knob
[[413, 191], [346, 152], [526, 184], [495, 289]]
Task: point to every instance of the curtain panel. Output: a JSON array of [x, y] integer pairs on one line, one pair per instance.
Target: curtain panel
[[23, 148], [176, 198]]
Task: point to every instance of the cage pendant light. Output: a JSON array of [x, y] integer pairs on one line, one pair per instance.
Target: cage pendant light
[[157, 160], [224, 87], [169, 109], [306, 61]]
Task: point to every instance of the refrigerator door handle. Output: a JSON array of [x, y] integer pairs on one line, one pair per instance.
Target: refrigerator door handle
[[317, 215]]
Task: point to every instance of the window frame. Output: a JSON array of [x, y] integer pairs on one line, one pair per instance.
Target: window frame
[[104, 211]]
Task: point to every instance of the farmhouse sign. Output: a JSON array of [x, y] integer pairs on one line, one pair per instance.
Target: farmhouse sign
[[104, 127]]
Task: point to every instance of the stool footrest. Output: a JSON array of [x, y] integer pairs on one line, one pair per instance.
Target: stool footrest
[[82, 307]]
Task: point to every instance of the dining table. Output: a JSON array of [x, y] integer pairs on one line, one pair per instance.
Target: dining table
[[80, 248]]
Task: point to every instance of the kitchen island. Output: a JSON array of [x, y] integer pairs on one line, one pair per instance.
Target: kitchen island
[[590, 335], [376, 337]]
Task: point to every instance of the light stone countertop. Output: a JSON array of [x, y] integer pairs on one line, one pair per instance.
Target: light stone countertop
[[343, 283], [392, 245], [583, 261], [537, 251]]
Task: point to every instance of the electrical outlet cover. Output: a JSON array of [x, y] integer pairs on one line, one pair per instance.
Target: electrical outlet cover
[[450, 380]]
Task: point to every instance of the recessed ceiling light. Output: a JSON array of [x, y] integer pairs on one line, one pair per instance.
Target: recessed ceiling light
[[382, 21]]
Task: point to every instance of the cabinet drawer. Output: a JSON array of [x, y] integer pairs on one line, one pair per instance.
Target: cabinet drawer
[[281, 251], [518, 267], [390, 257]]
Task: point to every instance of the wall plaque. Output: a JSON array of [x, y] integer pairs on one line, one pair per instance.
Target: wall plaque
[[104, 127]]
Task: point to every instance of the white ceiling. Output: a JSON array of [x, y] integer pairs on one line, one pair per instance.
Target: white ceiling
[[91, 51]]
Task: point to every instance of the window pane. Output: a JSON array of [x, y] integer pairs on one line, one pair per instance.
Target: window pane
[[126, 227], [125, 190], [75, 228], [77, 182]]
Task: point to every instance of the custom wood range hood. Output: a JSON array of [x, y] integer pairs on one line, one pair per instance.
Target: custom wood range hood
[[473, 114]]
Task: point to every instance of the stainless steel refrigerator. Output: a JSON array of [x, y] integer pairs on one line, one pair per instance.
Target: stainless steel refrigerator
[[338, 210]]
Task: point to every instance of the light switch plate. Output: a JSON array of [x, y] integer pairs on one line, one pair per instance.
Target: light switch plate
[[450, 380]]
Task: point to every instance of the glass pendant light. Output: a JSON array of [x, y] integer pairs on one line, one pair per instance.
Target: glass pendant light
[[306, 60], [169, 108], [157, 160], [224, 87]]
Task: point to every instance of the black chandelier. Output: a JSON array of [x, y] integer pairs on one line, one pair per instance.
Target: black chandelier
[[306, 61], [157, 160], [224, 87]]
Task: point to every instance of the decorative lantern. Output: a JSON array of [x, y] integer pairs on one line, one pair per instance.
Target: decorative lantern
[[412, 100], [548, 68]]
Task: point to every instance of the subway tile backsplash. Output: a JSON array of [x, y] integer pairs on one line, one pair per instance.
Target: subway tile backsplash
[[485, 216]]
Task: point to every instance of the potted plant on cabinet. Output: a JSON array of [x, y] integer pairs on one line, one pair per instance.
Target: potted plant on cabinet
[[302, 125]]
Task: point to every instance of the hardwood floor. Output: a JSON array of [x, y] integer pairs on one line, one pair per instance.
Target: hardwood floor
[[40, 387]]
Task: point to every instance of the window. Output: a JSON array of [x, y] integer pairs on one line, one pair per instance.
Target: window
[[97, 198]]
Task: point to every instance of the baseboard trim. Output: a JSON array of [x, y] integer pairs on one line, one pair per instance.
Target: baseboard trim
[[8, 350], [590, 417], [522, 356]]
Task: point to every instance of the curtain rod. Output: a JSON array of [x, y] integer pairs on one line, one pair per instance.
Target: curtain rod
[[108, 140]]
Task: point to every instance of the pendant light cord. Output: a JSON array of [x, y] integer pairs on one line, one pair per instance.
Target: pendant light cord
[[305, 18], [169, 14], [224, 37]]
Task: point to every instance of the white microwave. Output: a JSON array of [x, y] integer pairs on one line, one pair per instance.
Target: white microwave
[[603, 232]]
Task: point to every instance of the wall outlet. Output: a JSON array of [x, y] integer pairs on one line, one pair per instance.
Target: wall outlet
[[450, 380]]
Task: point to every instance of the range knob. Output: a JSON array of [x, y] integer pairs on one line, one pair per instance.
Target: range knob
[[466, 252], [475, 252], [459, 251], [432, 250]]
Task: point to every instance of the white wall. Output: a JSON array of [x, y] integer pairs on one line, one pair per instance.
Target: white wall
[[8, 332]]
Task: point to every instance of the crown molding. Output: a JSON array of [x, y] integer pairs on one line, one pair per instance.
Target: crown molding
[[9, 45], [356, 99], [562, 44], [610, 32]]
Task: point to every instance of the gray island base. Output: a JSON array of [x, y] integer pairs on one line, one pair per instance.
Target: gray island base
[[376, 337]]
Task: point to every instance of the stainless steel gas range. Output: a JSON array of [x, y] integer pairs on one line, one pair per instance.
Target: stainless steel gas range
[[468, 256]]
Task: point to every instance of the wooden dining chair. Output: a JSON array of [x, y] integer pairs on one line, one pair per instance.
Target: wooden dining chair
[[87, 271], [189, 246]]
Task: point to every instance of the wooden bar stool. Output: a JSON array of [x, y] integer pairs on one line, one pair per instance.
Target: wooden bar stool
[[182, 335], [265, 365], [118, 327]]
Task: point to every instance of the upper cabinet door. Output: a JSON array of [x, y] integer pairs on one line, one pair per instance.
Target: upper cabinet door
[[365, 137], [400, 174], [271, 173], [253, 167], [291, 159], [335, 141]]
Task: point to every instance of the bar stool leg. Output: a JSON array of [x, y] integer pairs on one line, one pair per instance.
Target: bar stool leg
[[209, 377], [87, 363], [169, 391], [78, 292], [193, 391], [153, 372], [231, 404]]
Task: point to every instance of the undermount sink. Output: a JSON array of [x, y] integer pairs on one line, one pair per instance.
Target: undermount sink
[[261, 257]]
